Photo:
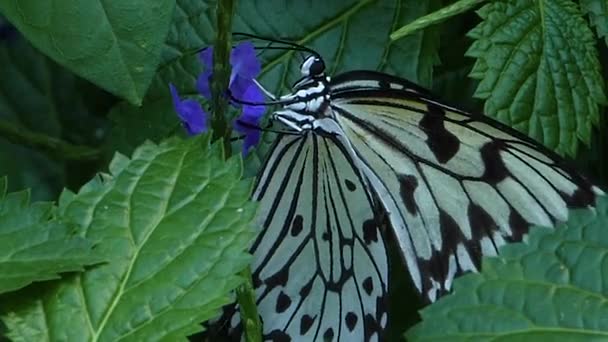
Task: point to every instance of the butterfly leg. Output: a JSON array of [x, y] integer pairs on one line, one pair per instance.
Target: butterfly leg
[[266, 92]]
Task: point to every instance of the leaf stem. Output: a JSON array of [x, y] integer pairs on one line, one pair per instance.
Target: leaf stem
[[54, 147], [221, 73], [252, 328], [435, 17]]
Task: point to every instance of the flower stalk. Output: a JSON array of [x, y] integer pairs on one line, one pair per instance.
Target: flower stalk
[[221, 73], [252, 329]]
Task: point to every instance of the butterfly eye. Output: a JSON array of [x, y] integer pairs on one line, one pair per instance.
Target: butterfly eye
[[312, 66], [317, 67]]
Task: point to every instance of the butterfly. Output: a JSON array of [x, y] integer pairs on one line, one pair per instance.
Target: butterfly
[[363, 150]]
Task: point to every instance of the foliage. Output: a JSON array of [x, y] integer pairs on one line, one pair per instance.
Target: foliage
[[173, 220], [539, 70], [116, 45], [152, 248], [36, 245]]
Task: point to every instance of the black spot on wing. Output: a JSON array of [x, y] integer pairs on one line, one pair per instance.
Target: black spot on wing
[[494, 167], [443, 143], [451, 235], [305, 290], [384, 84], [581, 198], [371, 326], [328, 335], [373, 323], [279, 278], [437, 266], [297, 225], [283, 302], [408, 185], [482, 224], [350, 185], [326, 236], [351, 320], [368, 285], [519, 226], [370, 231], [278, 336], [255, 277], [305, 323]]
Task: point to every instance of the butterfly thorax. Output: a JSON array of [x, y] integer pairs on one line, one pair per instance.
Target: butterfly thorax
[[310, 98]]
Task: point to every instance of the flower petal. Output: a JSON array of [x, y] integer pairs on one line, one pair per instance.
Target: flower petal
[[253, 94], [249, 121], [239, 86], [190, 113], [252, 133], [206, 57], [244, 61], [203, 84]]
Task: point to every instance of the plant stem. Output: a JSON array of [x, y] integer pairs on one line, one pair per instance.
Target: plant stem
[[221, 73], [54, 147], [252, 328]]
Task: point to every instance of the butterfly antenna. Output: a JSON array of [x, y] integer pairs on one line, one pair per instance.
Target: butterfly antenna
[[265, 129], [294, 46]]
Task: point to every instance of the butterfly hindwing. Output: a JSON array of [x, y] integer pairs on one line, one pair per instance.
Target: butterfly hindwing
[[320, 266], [456, 186]]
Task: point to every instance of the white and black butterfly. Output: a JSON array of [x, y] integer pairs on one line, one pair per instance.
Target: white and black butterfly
[[451, 185]]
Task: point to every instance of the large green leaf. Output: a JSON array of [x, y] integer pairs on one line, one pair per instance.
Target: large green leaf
[[34, 245], [44, 97], [175, 217], [539, 70], [115, 44], [598, 15], [338, 30], [552, 288], [26, 74], [191, 29]]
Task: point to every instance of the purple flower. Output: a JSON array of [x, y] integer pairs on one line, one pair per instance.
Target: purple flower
[[190, 113], [245, 67], [249, 121]]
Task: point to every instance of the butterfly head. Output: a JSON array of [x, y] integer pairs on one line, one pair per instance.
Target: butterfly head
[[312, 70], [312, 66]]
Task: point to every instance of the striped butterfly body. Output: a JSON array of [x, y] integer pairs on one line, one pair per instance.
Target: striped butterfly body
[[451, 186]]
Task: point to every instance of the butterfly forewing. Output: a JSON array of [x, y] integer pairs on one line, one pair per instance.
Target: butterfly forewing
[[320, 266], [455, 185]]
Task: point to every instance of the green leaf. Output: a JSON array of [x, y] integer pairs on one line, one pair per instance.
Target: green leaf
[[34, 245], [539, 70], [191, 29], [175, 217], [554, 287], [40, 95], [114, 44], [130, 128], [435, 17], [598, 15], [340, 32]]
